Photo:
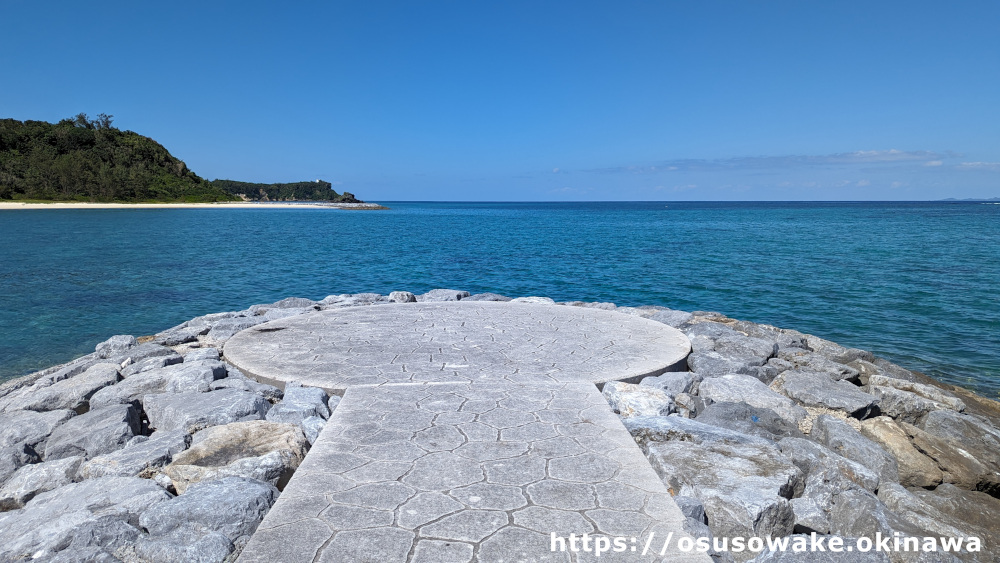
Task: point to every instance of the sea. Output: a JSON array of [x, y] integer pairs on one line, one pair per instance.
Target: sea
[[914, 282]]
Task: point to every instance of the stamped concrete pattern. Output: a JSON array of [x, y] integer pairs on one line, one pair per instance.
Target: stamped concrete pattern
[[482, 458], [448, 342]]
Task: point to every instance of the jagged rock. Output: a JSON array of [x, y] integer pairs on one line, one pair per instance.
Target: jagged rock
[[97, 432], [903, 405], [189, 376], [286, 303], [77, 515], [181, 335], [188, 543], [674, 382], [809, 516], [651, 429], [443, 295], [14, 387], [735, 388], [709, 329], [115, 345], [71, 393], [628, 400], [139, 353], [534, 299], [957, 464], [402, 297], [816, 389], [747, 419], [131, 390], [90, 554], [298, 404], [193, 411], [915, 468], [973, 512], [487, 297], [814, 459], [800, 551], [224, 329], [804, 360], [848, 442], [236, 380], [917, 512], [975, 435], [740, 345], [199, 354], [151, 363], [744, 487], [713, 364], [311, 427], [36, 478], [671, 317], [690, 406], [835, 352], [30, 428], [267, 451], [926, 391], [13, 458], [232, 506], [140, 458]]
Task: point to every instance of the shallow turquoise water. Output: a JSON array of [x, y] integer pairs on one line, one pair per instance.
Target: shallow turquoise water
[[914, 282]]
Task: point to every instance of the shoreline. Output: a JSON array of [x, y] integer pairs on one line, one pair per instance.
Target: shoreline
[[222, 204]]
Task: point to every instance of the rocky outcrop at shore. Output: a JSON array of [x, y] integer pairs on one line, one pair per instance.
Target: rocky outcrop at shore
[[157, 449]]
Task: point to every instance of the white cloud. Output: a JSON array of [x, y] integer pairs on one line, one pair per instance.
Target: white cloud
[[933, 163], [980, 165], [863, 183]]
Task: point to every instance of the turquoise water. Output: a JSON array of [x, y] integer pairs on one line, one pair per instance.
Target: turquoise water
[[914, 282]]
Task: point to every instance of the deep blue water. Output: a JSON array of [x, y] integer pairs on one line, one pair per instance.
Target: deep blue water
[[914, 282]]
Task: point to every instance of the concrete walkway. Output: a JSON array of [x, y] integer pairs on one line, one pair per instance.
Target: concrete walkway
[[488, 438]]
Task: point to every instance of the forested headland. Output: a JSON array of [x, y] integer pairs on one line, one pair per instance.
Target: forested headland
[[89, 160]]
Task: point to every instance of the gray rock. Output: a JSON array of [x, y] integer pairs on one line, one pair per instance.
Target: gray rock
[[151, 363], [848, 442], [710, 330], [236, 380], [89, 554], [187, 543], [816, 389], [181, 335], [736, 388], [903, 405], [402, 297], [690, 406], [104, 533], [647, 430], [534, 299], [232, 506], [141, 352], [858, 513], [199, 354], [36, 478], [915, 468], [604, 306], [926, 391], [139, 458], [674, 382], [286, 303], [443, 295], [13, 458], [275, 314], [266, 451], [713, 364], [311, 427], [298, 404], [193, 411], [809, 516], [671, 317], [917, 512], [487, 297], [114, 346], [814, 459], [76, 515], [811, 362], [71, 393], [745, 488], [193, 376], [799, 551], [29, 428], [628, 400], [973, 512], [740, 345], [958, 462], [835, 352], [974, 434], [46, 376], [224, 329], [746, 419], [97, 432]]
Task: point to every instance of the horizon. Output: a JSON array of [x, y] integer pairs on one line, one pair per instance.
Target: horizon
[[518, 102]]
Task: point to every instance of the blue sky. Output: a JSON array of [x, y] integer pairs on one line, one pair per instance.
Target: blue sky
[[537, 100]]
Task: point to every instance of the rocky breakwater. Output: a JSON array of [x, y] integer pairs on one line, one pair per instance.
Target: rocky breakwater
[[156, 449]]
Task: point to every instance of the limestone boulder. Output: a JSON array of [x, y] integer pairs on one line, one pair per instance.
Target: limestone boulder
[[299, 403], [747, 419], [151, 363], [262, 450], [804, 555], [629, 400], [804, 360], [442, 295], [674, 382], [201, 354], [958, 465], [187, 377], [189, 542], [975, 434], [713, 364], [224, 329], [903, 405], [402, 297], [232, 506], [96, 432], [193, 411], [745, 488], [929, 392], [647, 430], [93, 513], [115, 345], [671, 317], [815, 460], [734, 388], [840, 438], [71, 393], [974, 512], [30, 480], [487, 297], [180, 335], [915, 468], [30, 428], [817, 389], [311, 427], [141, 457]]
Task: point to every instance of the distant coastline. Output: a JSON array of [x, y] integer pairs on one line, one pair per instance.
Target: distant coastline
[[5, 205]]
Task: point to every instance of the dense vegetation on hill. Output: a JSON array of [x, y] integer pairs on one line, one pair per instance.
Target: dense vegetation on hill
[[83, 159], [298, 191]]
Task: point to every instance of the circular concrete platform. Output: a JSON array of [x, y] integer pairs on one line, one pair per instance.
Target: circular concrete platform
[[455, 342]]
